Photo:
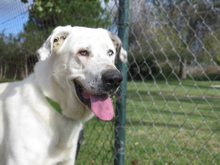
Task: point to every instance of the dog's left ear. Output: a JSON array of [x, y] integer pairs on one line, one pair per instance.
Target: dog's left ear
[[53, 42], [118, 46]]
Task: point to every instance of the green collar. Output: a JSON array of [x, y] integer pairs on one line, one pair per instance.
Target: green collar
[[55, 105]]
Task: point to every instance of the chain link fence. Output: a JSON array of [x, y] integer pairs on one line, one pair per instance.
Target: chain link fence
[[173, 97]]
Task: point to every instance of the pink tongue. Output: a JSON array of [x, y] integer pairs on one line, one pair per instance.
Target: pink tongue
[[102, 106]]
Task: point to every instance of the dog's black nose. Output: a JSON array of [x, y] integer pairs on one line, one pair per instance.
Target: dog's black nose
[[111, 79]]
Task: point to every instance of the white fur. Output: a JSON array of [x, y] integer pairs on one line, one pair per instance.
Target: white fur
[[31, 131]]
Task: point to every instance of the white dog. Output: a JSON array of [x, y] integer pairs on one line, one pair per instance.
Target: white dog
[[77, 71]]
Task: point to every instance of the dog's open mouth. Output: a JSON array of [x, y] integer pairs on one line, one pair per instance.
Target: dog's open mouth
[[101, 105]]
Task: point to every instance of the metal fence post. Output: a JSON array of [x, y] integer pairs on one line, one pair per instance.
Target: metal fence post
[[123, 29]]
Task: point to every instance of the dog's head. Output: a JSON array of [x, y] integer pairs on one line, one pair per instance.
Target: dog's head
[[83, 59]]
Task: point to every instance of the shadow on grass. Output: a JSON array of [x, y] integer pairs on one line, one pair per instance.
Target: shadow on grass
[[215, 128], [175, 84], [133, 95]]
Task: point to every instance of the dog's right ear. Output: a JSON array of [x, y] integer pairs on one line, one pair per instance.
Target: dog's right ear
[[53, 42]]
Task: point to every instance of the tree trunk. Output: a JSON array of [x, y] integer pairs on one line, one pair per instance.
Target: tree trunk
[[5, 72], [26, 69], [15, 75], [24, 72], [1, 73], [182, 71]]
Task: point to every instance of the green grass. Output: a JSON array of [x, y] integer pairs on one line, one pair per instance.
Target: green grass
[[167, 123], [173, 123]]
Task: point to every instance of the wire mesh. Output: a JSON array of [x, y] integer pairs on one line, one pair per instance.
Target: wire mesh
[[173, 96]]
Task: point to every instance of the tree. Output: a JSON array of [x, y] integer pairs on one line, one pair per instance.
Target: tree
[[2, 57], [50, 14], [9, 49], [172, 30], [193, 20], [211, 49]]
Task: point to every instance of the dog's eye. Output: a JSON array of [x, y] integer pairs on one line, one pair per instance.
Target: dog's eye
[[55, 40], [110, 52], [84, 53]]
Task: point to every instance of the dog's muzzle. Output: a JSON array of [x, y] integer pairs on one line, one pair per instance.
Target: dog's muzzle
[[100, 103], [111, 79]]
